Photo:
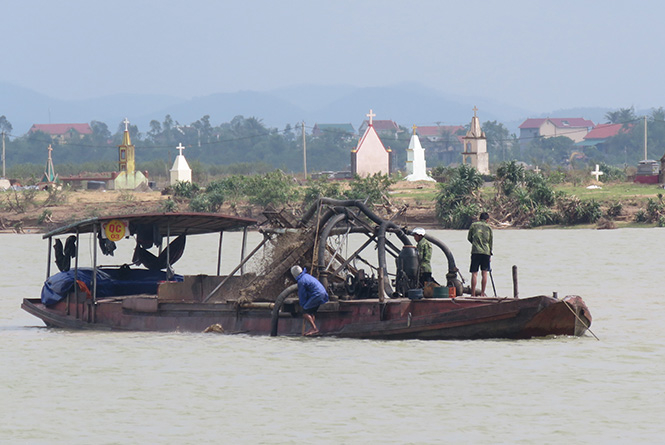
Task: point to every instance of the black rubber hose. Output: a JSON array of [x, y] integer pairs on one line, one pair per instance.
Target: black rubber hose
[[279, 302], [323, 242]]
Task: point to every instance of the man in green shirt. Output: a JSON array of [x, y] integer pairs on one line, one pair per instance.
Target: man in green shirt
[[480, 237], [424, 248]]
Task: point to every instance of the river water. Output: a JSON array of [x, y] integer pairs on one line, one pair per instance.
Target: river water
[[69, 387]]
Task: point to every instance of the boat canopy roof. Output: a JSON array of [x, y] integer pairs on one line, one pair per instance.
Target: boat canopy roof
[[172, 224]]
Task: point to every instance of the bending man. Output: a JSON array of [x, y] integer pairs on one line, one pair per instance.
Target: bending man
[[311, 295], [480, 237]]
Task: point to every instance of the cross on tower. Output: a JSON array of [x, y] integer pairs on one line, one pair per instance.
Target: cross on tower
[[475, 109], [414, 129], [126, 122], [181, 148], [370, 116], [597, 173], [50, 149]]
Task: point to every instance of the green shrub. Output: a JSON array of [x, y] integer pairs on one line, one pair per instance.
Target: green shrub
[[370, 189], [168, 206], [322, 188], [640, 216], [274, 188], [185, 189], [614, 209], [44, 217], [573, 211], [209, 201], [456, 202]]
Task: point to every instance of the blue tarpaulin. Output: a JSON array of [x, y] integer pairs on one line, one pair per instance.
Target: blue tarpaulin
[[110, 282]]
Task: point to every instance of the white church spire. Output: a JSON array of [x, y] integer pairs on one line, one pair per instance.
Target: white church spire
[[416, 167]]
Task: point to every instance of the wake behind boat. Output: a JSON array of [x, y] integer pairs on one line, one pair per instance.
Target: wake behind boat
[[369, 298]]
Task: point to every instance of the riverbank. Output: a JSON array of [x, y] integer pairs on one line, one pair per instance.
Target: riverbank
[[408, 203]]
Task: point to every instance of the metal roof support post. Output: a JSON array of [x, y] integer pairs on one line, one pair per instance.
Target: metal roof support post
[[219, 253], [168, 251], [94, 267], [244, 248], [76, 276], [48, 258]]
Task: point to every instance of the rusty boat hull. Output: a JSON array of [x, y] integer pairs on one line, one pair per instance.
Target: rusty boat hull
[[395, 319]]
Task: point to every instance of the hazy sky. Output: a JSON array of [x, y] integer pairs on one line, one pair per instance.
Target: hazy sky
[[541, 55]]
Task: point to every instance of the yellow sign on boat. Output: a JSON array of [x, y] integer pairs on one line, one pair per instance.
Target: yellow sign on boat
[[115, 229]]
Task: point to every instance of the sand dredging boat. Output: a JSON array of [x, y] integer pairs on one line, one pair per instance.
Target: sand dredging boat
[[373, 295]]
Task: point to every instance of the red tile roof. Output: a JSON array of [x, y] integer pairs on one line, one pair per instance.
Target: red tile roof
[[604, 131], [559, 122], [60, 129], [437, 130], [382, 125]]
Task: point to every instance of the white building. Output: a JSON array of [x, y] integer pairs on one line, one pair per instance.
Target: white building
[[180, 170], [416, 166]]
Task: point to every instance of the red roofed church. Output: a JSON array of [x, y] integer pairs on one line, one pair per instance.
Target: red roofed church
[[370, 156]]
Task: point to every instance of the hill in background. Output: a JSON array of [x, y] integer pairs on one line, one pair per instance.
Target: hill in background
[[406, 104]]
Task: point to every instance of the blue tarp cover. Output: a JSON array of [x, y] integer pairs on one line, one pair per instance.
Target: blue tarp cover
[[110, 282]]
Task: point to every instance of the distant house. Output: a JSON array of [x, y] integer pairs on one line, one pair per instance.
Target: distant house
[[574, 128], [436, 133], [321, 129], [387, 128], [442, 143], [599, 135], [62, 132]]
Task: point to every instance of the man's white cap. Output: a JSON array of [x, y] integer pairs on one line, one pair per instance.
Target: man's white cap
[[295, 271], [419, 231]]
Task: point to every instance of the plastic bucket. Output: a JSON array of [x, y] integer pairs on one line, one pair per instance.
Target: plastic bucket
[[414, 294], [440, 292]]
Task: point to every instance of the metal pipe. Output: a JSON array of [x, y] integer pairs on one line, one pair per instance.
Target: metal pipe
[[256, 249]]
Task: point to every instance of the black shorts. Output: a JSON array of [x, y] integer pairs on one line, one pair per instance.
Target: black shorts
[[312, 310], [479, 260]]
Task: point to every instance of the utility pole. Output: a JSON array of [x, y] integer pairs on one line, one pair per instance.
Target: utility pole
[[304, 150], [645, 138], [3, 155]]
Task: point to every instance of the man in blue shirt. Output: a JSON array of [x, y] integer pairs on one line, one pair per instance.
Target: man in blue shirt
[[311, 295]]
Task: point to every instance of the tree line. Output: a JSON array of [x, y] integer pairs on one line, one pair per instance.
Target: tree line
[[247, 146]]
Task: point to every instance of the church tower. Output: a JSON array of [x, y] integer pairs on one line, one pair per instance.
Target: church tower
[[127, 177], [475, 146], [126, 162]]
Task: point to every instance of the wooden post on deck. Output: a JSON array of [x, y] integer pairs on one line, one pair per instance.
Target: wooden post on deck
[[515, 290]]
